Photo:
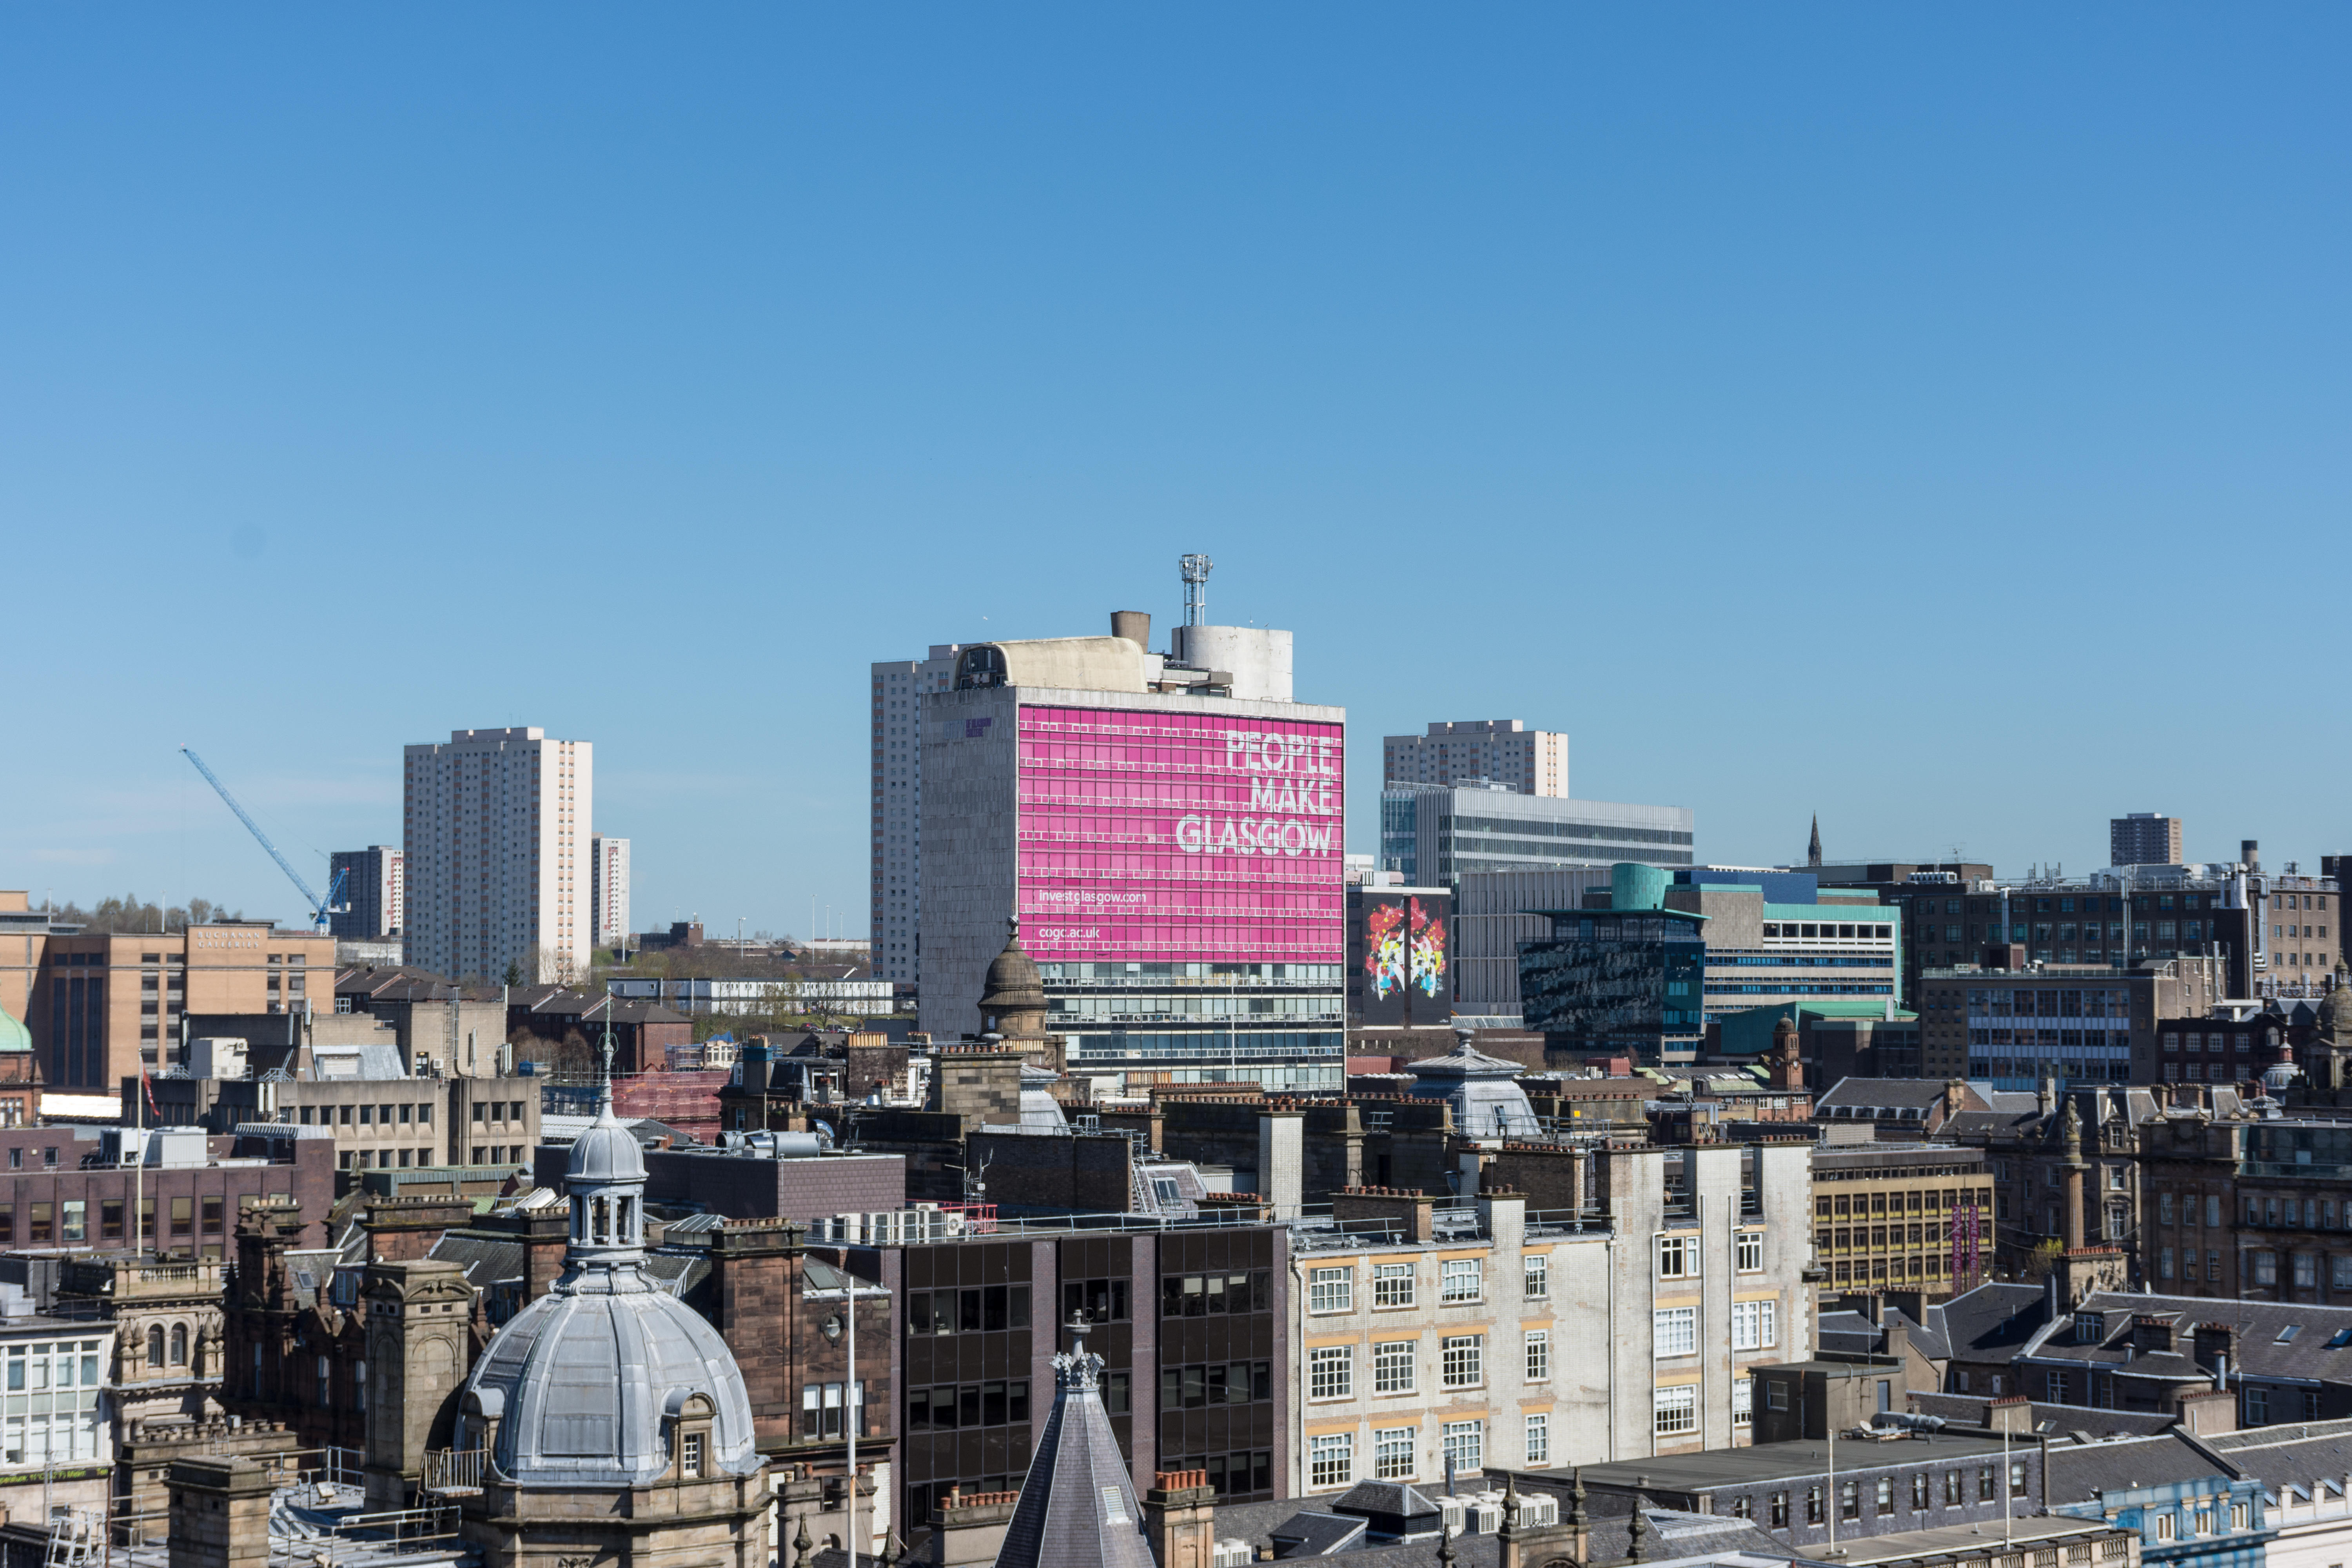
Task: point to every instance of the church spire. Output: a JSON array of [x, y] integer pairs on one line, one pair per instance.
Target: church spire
[[1813, 849]]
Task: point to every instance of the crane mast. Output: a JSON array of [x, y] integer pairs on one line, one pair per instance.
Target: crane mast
[[320, 908]]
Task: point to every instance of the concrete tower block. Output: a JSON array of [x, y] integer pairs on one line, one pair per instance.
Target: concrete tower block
[[418, 1348], [220, 1513]]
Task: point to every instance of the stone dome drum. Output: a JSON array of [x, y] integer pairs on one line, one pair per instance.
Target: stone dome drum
[[584, 1387]]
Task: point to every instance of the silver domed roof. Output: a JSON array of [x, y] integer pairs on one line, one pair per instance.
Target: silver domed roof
[[607, 1153], [585, 1384]]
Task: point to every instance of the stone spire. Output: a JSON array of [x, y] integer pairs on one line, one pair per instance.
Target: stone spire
[[1637, 1530], [1077, 1506], [1813, 849]]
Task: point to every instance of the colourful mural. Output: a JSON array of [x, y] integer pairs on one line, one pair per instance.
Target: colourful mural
[[1388, 928]]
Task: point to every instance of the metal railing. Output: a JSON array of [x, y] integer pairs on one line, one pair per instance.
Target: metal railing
[[454, 1470]]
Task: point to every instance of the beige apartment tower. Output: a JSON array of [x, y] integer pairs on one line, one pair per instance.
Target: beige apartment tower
[[1525, 760], [497, 859]]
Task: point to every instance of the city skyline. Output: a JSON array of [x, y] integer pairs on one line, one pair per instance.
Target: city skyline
[[1579, 369]]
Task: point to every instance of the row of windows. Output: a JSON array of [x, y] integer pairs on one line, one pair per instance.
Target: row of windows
[[1396, 1364], [964, 1407], [68, 1221], [1938, 1200], [1459, 1280], [1331, 1456], [1205, 1383], [1954, 1489], [373, 1115], [1678, 1253], [977, 1309]]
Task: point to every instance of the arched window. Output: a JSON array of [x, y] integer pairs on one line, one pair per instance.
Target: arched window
[[179, 1344], [155, 1344]]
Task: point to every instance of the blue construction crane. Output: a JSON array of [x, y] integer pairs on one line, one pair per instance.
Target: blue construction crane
[[320, 908]]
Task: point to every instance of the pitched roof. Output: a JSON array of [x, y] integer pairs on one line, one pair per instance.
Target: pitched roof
[[2299, 1455], [2273, 1339], [1077, 1506], [2078, 1472], [1992, 1321], [1917, 1093]]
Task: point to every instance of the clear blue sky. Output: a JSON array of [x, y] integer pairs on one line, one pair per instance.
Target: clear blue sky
[[1934, 419]]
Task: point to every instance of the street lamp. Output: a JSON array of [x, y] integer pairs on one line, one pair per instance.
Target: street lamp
[[837, 1327]]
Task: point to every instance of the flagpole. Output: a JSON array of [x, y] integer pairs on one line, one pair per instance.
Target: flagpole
[[138, 1171]]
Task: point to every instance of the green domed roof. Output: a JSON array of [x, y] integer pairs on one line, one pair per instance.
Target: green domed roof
[[14, 1036]]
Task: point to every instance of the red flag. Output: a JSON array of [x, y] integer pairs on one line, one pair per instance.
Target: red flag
[[148, 1084]]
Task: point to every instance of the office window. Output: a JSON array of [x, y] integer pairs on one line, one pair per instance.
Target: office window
[[1673, 1412], [1743, 1402], [1755, 1325], [1458, 1281], [1331, 1460], [1778, 1513], [1539, 1354], [1952, 1488], [1392, 1453], [1678, 1258], [1674, 1331], [1537, 1276], [1331, 1371], [1331, 1290], [1886, 1498], [1540, 1439], [1849, 1499], [2017, 1478], [1985, 1492], [1392, 1285], [1392, 1366], [2258, 1406], [1462, 1357], [1748, 1252], [1465, 1445], [1919, 1490]]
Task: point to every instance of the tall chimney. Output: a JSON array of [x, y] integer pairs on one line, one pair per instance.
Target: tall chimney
[[1135, 626], [2250, 854]]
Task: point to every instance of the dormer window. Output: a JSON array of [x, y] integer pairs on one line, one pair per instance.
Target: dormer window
[[2090, 1328], [690, 1457]]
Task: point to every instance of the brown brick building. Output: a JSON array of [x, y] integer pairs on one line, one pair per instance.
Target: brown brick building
[[2078, 1023], [99, 1006], [49, 1200]]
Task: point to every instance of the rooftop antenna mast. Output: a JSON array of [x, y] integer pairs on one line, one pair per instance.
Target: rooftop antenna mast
[[1196, 589]]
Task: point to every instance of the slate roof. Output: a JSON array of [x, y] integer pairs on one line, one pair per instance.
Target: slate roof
[[1990, 1322], [1313, 1534], [485, 1260], [2078, 1472], [1971, 1410], [2319, 1348], [1674, 1535], [2298, 1456], [1077, 1506]]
